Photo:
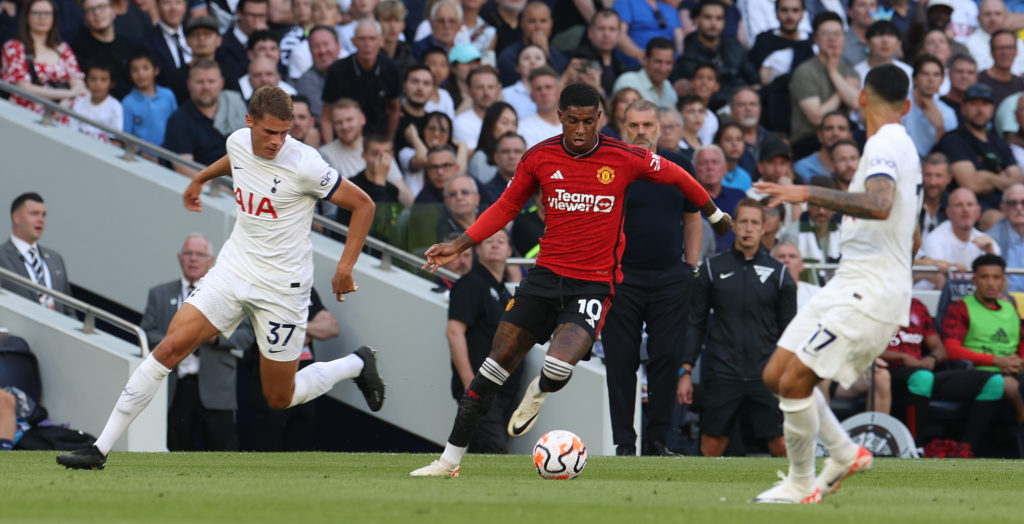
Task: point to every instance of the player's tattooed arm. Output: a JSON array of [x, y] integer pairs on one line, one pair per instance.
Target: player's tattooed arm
[[875, 202]]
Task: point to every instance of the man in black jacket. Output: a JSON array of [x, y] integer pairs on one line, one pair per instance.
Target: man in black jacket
[[753, 298]]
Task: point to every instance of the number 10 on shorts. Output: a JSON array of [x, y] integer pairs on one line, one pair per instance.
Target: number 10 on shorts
[[273, 337], [821, 338], [592, 309]]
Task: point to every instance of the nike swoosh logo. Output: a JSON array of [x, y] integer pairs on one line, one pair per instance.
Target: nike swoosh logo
[[518, 430], [236, 167], [272, 351], [724, 276]]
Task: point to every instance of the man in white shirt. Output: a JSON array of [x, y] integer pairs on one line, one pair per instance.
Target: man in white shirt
[[484, 90], [991, 18], [652, 81], [23, 255], [544, 91], [264, 273], [955, 243], [789, 254]]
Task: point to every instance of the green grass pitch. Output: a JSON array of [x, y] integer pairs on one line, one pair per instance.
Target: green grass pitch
[[340, 487]]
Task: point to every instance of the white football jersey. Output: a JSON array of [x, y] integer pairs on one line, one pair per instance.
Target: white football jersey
[[269, 246], [875, 269]]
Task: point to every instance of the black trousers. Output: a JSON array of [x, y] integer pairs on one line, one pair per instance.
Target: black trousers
[[187, 414], [961, 385], [659, 298]]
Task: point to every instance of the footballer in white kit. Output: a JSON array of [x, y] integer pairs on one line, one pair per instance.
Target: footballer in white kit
[[849, 323], [264, 271]]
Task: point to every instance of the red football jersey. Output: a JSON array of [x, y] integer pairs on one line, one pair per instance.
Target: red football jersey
[[583, 202], [909, 338]]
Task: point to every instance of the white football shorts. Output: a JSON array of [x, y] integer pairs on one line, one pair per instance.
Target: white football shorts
[[279, 320], [837, 341]]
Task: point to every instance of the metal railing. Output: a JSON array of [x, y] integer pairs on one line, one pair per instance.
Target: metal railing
[[91, 312], [133, 145]]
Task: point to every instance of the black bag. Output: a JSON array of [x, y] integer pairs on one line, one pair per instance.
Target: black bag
[[55, 438], [35, 76]]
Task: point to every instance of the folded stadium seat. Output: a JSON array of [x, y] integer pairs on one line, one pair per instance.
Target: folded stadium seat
[[19, 367]]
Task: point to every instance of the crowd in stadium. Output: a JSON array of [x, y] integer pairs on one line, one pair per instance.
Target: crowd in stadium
[[427, 105]]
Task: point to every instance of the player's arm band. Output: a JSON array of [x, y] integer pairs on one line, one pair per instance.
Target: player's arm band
[[716, 216]]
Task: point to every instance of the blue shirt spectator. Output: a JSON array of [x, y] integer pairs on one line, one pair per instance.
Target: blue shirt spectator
[[921, 130], [645, 23], [146, 117], [809, 167], [738, 178]]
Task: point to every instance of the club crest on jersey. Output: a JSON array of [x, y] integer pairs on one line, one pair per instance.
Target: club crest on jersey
[[605, 175], [274, 189], [250, 206]]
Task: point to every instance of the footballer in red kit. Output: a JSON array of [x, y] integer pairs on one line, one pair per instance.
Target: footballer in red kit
[[582, 176]]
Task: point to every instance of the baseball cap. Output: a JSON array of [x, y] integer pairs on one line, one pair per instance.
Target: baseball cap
[[978, 91], [208, 22], [463, 54], [773, 146], [947, 3]]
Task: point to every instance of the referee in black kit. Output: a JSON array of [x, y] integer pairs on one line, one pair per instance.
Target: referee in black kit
[[753, 298], [658, 219]]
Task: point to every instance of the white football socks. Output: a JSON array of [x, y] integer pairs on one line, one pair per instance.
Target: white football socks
[[801, 431], [135, 396], [452, 454], [832, 434], [316, 379]]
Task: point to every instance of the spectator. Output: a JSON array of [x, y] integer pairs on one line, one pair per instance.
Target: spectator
[[475, 306], [929, 118], [937, 44], [441, 99], [916, 379], [264, 44], [617, 109], [148, 106], [57, 77], [463, 58], [367, 77], [693, 112], [391, 15], [445, 22], [883, 47], [705, 86], [670, 123], [652, 297], [860, 15], [345, 153], [476, 30], [779, 51], [992, 19], [643, 21], [131, 21], [441, 168], [709, 45], [356, 12], [436, 131], [710, 165], [324, 49], [461, 206], [378, 156], [740, 338], [745, 110], [775, 164], [505, 17], [167, 42], [97, 104], [517, 95], [103, 43], [834, 126], [302, 57], [935, 180], [23, 255], [985, 329], [416, 91], [762, 16], [303, 124], [824, 84], [263, 72], [816, 232], [652, 81], [508, 149], [201, 389], [202, 38], [545, 123], [198, 130], [999, 77], [499, 119], [1008, 233], [845, 157], [774, 217], [789, 254], [484, 90], [251, 16], [604, 32], [730, 139], [297, 35], [536, 25], [963, 73], [955, 243], [979, 158], [902, 11], [929, 32]]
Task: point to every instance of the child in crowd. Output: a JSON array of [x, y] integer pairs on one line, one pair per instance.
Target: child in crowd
[[730, 139], [693, 111], [97, 104], [148, 106]]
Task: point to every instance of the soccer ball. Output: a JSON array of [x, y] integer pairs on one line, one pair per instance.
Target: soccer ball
[[559, 454]]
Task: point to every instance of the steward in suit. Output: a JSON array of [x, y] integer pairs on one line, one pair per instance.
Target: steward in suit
[[202, 386], [23, 255]]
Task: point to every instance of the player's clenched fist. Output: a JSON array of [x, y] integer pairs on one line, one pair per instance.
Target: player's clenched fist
[[724, 224]]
